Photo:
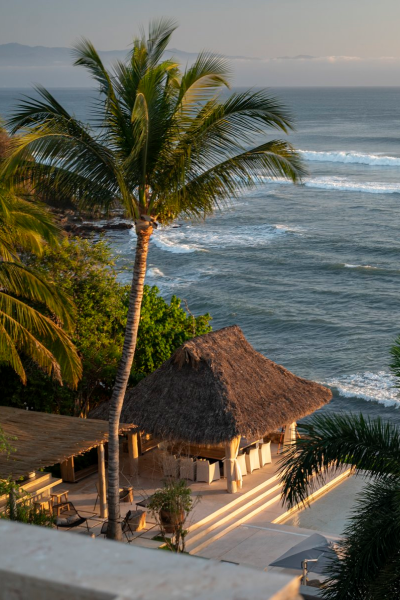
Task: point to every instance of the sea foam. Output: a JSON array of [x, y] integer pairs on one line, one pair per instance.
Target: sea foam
[[376, 160], [376, 387], [341, 184], [189, 238], [349, 266]]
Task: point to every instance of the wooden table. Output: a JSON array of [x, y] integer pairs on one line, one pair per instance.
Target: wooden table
[[43, 505], [57, 509], [59, 497]]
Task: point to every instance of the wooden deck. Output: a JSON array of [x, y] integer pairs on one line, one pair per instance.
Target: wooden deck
[[218, 520]]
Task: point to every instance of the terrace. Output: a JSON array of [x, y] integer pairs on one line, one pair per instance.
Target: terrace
[[205, 413]]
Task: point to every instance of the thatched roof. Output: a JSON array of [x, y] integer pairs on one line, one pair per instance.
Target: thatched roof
[[43, 439], [216, 387]]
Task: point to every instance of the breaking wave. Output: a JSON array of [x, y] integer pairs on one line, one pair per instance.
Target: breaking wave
[[344, 185], [376, 160], [372, 387], [349, 266], [191, 238], [341, 184]]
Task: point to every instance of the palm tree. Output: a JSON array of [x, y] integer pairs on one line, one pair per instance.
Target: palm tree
[[25, 226], [166, 144], [367, 566]]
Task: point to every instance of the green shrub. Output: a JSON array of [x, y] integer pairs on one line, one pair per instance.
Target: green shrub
[[86, 271]]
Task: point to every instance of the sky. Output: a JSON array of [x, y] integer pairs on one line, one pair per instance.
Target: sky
[[358, 37]]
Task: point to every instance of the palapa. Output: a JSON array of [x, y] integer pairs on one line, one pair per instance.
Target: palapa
[[42, 439], [216, 387]]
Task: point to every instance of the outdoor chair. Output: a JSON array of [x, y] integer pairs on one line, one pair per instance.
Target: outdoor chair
[[126, 528], [125, 495], [170, 466], [252, 460], [206, 471], [69, 521], [241, 460], [264, 451], [188, 469]]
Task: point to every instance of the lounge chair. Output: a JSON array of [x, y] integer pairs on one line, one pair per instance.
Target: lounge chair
[[70, 517]]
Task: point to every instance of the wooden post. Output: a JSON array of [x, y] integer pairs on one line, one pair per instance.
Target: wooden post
[[230, 455], [133, 453], [102, 482], [68, 470]]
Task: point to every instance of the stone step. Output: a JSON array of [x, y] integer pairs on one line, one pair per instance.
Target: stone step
[[249, 511], [232, 511], [253, 504], [227, 508]]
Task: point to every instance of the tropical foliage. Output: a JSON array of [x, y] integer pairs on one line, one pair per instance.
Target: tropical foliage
[[84, 269], [165, 144], [19, 506], [395, 365], [367, 566], [171, 506], [32, 311]]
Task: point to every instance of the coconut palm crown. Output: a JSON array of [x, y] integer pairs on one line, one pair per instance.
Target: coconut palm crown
[[164, 142], [367, 566], [34, 315]]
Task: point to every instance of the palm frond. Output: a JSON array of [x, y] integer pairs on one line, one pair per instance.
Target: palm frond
[[160, 32], [9, 354], [20, 280], [201, 194], [368, 561], [333, 441], [86, 56], [39, 338], [24, 224], [201, 81]]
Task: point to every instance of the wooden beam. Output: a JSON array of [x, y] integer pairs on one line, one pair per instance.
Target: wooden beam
[[68, 470], [102, 482], [133, 453]]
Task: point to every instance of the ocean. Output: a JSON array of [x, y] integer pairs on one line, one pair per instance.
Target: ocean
[[311, 273]]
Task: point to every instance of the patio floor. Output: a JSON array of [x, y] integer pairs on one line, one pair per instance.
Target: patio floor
[[212, 496]]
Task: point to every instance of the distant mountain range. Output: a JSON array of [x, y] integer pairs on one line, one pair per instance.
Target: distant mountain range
[[21, 66], [19, 55]]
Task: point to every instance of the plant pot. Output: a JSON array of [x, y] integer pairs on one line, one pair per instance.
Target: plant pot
[[171, 521]]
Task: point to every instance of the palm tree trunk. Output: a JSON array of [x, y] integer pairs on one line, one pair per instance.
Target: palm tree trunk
[[143, 231]]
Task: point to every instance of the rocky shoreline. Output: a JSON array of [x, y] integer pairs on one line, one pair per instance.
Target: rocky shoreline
[[83, 225]]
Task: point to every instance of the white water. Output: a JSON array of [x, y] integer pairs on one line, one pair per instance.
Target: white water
[[188, 239], [347, 266], [341, 184], [375, 387], [359, 158]]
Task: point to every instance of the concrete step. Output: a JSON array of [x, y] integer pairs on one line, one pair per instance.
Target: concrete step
[[208, 527], [246, 512], [238, 499], [246, 507]]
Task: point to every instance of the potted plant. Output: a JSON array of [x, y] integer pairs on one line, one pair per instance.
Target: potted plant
[[170, 506]]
